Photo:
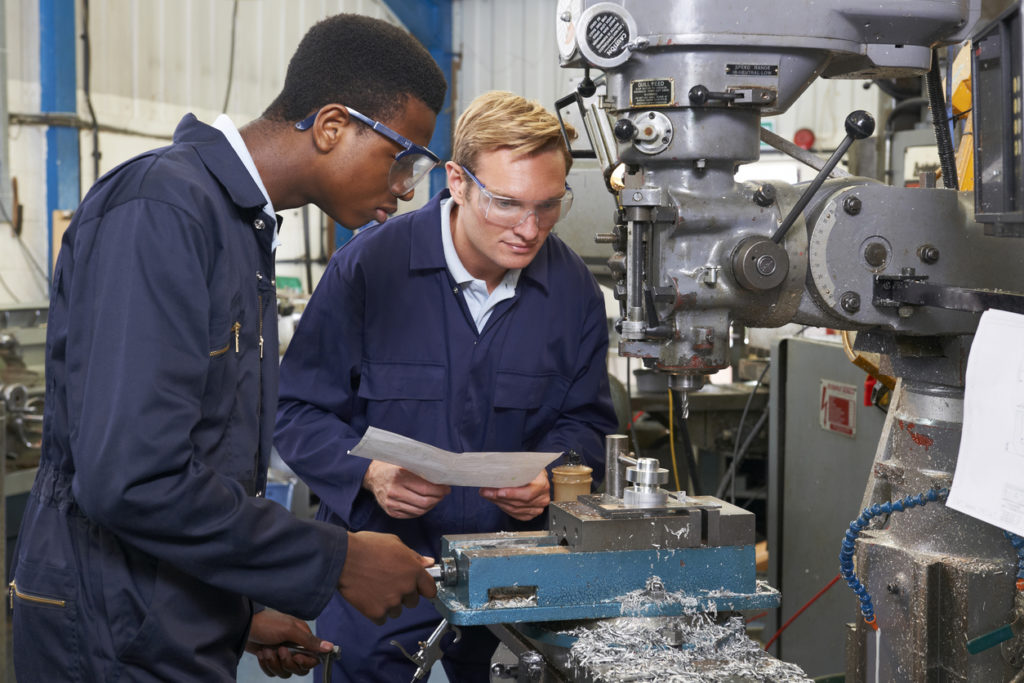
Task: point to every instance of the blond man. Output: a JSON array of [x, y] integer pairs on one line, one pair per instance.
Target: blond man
[[466, 325]]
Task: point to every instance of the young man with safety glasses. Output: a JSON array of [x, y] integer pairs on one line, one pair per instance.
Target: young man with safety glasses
[[466, 325], [146, 539]]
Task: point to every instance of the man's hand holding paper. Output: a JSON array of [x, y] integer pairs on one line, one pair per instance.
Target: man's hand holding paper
[[409, 477]]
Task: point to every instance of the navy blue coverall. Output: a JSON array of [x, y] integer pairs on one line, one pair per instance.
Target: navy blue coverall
[[144, 541], [387, 340]]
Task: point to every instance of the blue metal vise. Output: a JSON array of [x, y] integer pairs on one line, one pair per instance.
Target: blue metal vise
[[601, 558]]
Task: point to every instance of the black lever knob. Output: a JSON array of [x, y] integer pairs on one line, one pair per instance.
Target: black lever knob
[[624, 130], [859, 125], [699, 94]]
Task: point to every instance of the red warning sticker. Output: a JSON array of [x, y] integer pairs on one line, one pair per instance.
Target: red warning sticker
[[838, 409]]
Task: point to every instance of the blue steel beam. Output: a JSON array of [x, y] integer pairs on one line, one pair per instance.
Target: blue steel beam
[[58, 86]]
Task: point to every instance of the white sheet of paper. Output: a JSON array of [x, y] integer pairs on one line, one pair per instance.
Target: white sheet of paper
[[989, 479], [494, 469]]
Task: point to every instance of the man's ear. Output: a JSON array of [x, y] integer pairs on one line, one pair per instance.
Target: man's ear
[[456, 182], [332, 125]]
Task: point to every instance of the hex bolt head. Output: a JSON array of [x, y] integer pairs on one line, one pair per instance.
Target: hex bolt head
[[765, 195], [850, 301], [852, 205], [928, 253], [765, 265]]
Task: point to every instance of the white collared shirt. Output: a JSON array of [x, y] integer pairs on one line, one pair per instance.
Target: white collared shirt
[[479, 301], [227, 127]]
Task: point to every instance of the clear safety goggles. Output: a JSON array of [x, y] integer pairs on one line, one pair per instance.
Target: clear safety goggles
[[509, 212], [410, 166]]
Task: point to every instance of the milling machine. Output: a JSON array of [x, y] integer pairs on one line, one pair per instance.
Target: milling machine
[[686, 87]]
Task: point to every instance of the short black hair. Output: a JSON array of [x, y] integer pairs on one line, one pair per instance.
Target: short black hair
[[361, 62]]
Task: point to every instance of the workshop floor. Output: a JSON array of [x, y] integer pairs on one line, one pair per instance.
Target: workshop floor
[[249, 672]]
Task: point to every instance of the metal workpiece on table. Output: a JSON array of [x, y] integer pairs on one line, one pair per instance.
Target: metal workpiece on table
[[616, 446], [601, 522], [597, 559], [646, 477]]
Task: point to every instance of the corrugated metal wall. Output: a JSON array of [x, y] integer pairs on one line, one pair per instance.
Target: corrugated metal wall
[[151, 62], [508, 46], [511, 46]]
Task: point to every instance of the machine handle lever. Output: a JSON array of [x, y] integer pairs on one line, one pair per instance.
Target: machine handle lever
[[430, 649], [859, 125], [699, 94]]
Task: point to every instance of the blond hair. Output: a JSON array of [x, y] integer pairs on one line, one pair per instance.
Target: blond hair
[[504, 120]]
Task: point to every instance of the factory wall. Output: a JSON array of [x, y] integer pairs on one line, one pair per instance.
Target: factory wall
[[511, 46], [152, 61]]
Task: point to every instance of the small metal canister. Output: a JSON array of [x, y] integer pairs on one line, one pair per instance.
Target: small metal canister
[[571, 481]]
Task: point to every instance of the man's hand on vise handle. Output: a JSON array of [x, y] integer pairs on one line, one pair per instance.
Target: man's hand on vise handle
[[382, 574]]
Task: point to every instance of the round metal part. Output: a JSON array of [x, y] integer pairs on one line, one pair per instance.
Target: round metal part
[[603, 33], [760, 264], [852, 205], [15, 397], [928, 253], [449, 571], [632, 329], [653, 132], [685, 383], [765, 265], [875, 251], [875, 254], [765, 195], [646, 472], [646, 476], [639, 498], [531, 667], [850, 302]]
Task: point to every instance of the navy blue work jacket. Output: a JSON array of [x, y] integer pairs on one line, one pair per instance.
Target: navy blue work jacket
[[143, 541], [387, 340]]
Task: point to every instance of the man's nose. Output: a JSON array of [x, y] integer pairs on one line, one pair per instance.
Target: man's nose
[[528, 229]]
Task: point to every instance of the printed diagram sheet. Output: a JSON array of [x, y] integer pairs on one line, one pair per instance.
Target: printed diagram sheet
[[439, 466], [989, 479]]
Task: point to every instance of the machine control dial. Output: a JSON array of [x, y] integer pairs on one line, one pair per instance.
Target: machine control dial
[[652, 131]]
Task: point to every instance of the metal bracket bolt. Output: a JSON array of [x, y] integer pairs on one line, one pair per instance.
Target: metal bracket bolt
[[765, 195], [928, 253], [852, 205], [765, 265], [850, 302]]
